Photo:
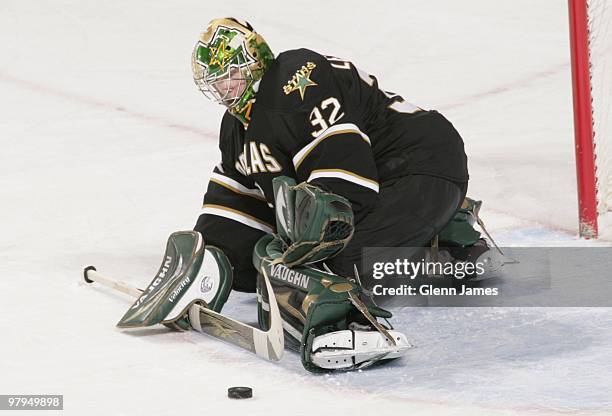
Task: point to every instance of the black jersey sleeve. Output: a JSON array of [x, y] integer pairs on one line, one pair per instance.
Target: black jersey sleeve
[[234, 216], [341, 161]]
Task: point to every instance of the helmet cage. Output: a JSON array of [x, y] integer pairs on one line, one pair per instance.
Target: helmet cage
[[229, 85]]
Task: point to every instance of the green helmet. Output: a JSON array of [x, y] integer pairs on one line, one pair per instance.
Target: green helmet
[[228, 62]]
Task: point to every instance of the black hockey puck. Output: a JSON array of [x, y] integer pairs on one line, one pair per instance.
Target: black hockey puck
[[240, 392], [88, 268]]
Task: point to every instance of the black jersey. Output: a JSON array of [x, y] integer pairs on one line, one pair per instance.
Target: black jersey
[[322, 120]]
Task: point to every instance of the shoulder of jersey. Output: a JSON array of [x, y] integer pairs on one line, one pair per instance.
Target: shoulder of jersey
[[295, 81], [229, 122], [231, 129]]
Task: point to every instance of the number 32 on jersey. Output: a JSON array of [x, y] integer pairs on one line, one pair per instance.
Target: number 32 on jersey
[[322, 123]]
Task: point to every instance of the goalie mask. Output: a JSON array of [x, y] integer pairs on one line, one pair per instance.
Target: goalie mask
[[228, 62]]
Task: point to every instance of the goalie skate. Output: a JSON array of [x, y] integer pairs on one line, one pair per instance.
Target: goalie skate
[[351, 350]]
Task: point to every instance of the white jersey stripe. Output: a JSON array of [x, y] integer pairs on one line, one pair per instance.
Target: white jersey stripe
[[331, 131], [235, 186], [345, 175], [236, 215]]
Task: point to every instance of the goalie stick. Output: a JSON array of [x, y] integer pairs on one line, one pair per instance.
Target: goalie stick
[[266, 344]]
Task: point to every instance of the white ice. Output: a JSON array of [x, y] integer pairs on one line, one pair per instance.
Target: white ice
[[107, 147]]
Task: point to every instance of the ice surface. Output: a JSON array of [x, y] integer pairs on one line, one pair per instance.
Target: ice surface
[[107, 147]]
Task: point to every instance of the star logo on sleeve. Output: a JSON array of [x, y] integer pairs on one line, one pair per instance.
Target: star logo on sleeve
[[301, 80]]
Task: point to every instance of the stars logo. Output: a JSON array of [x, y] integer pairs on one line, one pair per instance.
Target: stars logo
[[304, 81], [301, 80], [218, 55]]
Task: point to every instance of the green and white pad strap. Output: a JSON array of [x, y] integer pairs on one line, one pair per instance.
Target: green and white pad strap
[[313, 223], [191, 273]]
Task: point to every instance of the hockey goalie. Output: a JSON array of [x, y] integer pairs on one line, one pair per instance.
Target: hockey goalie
[[317, 163]]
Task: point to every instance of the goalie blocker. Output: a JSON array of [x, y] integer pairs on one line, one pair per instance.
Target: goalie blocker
[[191, 273]]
